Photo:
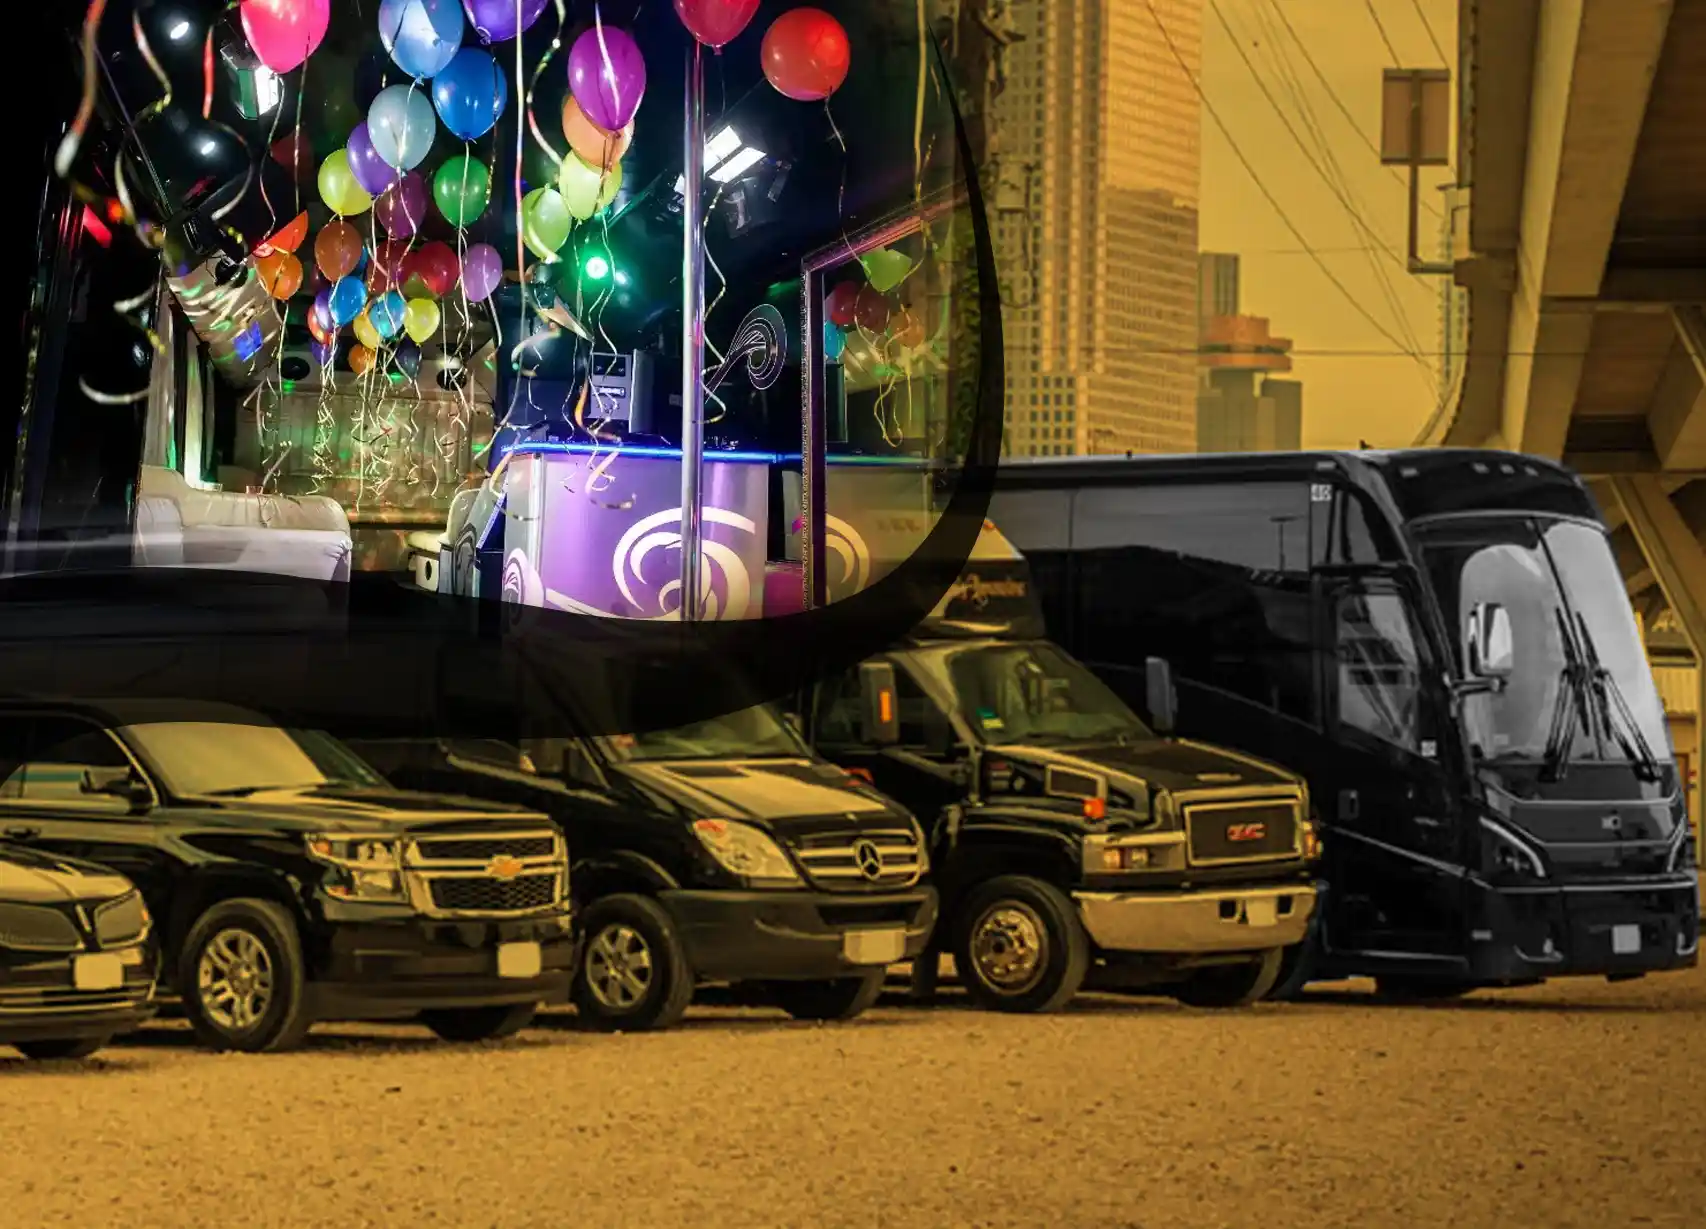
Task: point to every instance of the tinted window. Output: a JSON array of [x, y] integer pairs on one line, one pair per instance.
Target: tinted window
[[1348, 531], [1379, 669], [61, 752], [1256, 526], [840, 705]]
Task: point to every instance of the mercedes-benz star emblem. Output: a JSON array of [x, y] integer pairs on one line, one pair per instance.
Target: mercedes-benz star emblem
[[870, 860]]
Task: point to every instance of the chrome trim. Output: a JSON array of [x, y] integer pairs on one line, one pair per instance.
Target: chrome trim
[[839, 863], [418, 872], [1190, 804], [1520, 842], [65, 939], [1050, 771], [1690, 949], [1192, 922], [1399, 852]]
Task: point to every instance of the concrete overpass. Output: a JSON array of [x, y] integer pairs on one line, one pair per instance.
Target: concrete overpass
[[1582, 149]]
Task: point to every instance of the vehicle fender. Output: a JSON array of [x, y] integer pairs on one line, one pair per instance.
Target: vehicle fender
[[977, 845], [619, 870], [206, 886]]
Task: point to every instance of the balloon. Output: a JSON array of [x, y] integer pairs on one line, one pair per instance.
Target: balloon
[[337, 249], [403, 208], [886, 268], [339, 189], [388, 313], [482, 270], [494, 20], [408, 357], [421, 35], [386, 268], [349, 296], [838, 305], [546, 222], [716, 23], [805, 54], [834, 342], [320, 322], [461, 189], [281, 274], [401, 126], [323, 350], [471, 94], [361, 359], [598, 147], [287, 238], [583, 189], [284, 33], [907, 329], [294, 154], [366, 332], [429, 271], [372, 172], [420, 319], [871, 310], [608, 76]]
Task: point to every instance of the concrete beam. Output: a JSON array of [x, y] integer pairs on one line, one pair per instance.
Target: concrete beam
[[1677, 418], [1594, 62]]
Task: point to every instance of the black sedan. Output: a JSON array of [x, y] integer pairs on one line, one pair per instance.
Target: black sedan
[[76, 962]]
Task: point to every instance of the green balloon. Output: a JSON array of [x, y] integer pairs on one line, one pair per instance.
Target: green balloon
[[887, 268], [583, 189], [462, 187], [545, 223]]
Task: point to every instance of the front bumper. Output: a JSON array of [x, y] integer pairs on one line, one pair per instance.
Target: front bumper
[[1586, 929], [1188, 923], [792, 936], [38, 1002], [372, 970]]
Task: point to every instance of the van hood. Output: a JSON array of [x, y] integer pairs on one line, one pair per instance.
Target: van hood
[[1177, 766], [337, 808], [29, 876], [766, 792]]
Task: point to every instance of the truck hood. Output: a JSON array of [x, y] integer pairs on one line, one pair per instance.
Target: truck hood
[[1174, 765], [28, 876], [765, 792], [334, 808]]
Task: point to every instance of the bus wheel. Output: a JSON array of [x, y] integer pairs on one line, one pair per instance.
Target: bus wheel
[[1020, 946], [1419, 990], [1233, 985]]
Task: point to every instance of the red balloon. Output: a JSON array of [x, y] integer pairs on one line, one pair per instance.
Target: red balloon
[[429, 271], [841, 303], [716, 23], [385, 270], [805, 54], [296, 155], [871, 310]]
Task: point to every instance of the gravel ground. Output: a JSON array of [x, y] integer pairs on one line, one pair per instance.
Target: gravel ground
[[1574, 1104]]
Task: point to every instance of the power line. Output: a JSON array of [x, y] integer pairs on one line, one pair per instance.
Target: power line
[[1384, 37], [1432, 37]]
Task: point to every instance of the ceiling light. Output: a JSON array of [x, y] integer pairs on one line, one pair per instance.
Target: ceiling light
[[738, 165], [721, 146]]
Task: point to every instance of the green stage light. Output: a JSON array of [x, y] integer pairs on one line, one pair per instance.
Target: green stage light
[[597, 268]]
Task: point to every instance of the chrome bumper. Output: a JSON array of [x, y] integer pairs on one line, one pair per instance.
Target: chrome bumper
[[1232, 920]]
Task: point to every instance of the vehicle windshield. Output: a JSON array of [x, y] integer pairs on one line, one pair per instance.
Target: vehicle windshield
[[1570, 620], [1036, 693], [752, 733], [208, 758]]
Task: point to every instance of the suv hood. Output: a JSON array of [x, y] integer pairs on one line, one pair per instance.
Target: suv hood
[[28, 876], [337, 808], [765, 792], [1175, 765]]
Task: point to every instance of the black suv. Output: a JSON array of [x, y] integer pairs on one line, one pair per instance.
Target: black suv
[[723, 851], [291, 884]]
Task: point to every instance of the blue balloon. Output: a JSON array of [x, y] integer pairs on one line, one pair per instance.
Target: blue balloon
[[401, 126], [421, 35], [349, 296], [471, 93], [834, 342], [387, 314]]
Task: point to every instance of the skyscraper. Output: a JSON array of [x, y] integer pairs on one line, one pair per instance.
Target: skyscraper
[[1243, 404], [1096, 227]]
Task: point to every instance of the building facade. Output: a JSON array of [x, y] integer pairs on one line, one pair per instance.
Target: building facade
[[1096, 227], [1243, 403]]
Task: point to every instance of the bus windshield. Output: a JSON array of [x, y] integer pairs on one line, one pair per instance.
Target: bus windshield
[[1035, 693], [1580, 688]]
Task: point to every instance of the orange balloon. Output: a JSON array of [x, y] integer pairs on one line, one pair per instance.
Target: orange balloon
[[907, 329], [337, 249], [289, 237], [361, 359], [281, 274], [598, 148]]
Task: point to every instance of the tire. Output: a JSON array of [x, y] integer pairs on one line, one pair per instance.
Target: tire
[[258, 935], [479, 1023], [1293, 976], [1019, 946], [1418, 990], [633, 972], [60, 1048], [1233, 985], [842, 998]]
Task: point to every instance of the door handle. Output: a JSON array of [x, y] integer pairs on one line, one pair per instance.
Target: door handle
[[22, 834]]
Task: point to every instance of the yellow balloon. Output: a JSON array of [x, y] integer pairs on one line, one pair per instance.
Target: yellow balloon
[[366, 333], [583, 189], [339, 189], [420, 319]]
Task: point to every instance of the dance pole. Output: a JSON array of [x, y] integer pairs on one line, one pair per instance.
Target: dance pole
[[693, 339]]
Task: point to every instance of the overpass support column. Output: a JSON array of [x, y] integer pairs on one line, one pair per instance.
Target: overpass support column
[[1678, 562]]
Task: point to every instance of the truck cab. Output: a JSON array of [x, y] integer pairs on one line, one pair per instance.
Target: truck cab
[[1073, 845]]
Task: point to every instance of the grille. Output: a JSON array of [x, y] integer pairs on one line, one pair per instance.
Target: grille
[[120, 922], [1242, 832], [834, 862], [484, 895], [485, 848], [23, 1000], [30, 928]]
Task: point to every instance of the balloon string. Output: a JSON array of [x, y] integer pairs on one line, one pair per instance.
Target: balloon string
[[73, 138], [533, 85]]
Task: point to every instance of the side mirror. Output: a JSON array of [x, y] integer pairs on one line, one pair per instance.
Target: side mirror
[[1161, 696], [115, 783], [879, 718], [1488, 640]]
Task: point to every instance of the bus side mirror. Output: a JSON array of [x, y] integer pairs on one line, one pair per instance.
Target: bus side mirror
[[879, 724], [1162, 697], [1487, 633]]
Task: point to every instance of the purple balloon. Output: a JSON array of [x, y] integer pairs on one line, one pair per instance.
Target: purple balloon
[[372, 172], [608, 80], [323, 310], [323, 351], [482, 270], [403, 207], [494, 20]]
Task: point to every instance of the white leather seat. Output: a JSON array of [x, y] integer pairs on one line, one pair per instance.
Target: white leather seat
[[178, 525]]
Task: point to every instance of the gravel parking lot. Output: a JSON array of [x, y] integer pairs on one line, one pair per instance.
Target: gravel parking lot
[[1575, 1104]]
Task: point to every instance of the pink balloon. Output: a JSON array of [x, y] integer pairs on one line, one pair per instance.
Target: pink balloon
[[715, 22], [284, 33], [482, 270], [402, 207]]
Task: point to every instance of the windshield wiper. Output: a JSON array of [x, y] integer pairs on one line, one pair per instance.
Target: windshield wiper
[[1613, 703], [1570, 704]]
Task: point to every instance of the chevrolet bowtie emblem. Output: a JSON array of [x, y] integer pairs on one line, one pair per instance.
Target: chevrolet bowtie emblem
[[504, 867]]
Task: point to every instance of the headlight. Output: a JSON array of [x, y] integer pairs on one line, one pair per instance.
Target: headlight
[[1510, 855], [745, 851], [1311, 840], [362, 868]]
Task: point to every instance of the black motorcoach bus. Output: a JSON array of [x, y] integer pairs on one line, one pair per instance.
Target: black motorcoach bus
[[1440, 642]]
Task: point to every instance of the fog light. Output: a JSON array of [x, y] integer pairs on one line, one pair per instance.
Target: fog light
[[1136, 859], [1112, 860]]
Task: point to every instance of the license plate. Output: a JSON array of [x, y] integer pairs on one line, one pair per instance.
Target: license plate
[[1261, 912], [102, 972], [1625, 940], [873, 946], [519, 960]]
